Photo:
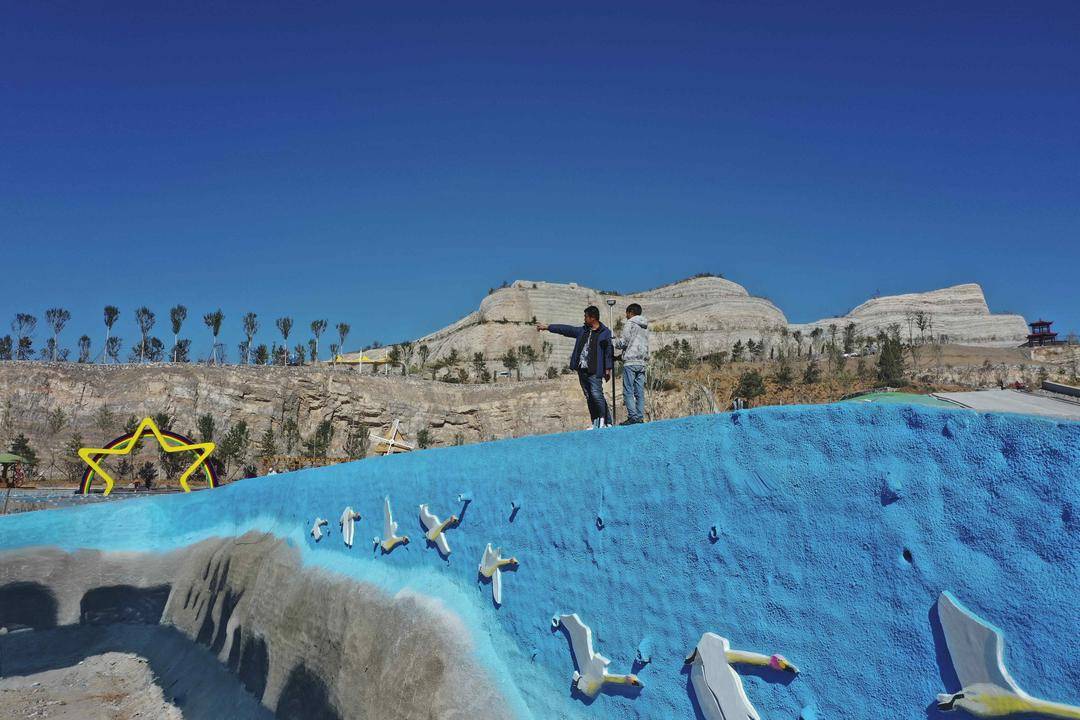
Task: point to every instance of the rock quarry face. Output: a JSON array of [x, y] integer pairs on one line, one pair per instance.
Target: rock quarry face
[[958, 312], [32, 392], [712, 313]]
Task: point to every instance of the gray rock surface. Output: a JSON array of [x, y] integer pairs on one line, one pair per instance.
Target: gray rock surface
[[266, 395], [303, 642], [109, 686]]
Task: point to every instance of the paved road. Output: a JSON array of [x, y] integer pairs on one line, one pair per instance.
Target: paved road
[[1014, 402]]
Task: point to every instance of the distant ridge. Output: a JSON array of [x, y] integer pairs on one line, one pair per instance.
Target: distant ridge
[[710, 312]]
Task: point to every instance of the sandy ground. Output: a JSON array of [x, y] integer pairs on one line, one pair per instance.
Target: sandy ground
[[117, 672], [113, 686]]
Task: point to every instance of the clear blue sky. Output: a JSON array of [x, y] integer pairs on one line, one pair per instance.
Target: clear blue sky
[[385, 163]]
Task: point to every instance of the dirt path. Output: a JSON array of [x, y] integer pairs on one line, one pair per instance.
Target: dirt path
[[112, 686], [117, 672]]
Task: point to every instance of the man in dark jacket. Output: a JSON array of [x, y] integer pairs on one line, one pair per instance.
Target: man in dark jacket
[[592, 358]]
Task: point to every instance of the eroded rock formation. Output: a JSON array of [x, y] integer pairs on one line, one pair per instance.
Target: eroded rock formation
[[303, 642], [712, 313], [957, 314]]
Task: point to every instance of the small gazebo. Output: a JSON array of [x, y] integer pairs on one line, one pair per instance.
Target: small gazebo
[[7, 461], [1041, 334]]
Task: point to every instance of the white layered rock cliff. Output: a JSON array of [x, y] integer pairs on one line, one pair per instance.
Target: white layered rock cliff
[[957, 314], [709, 312]]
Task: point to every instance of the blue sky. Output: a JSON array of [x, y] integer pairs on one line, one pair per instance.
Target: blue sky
[[384, 164]]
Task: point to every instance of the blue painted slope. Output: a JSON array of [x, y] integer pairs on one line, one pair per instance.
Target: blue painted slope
[[810, 561]]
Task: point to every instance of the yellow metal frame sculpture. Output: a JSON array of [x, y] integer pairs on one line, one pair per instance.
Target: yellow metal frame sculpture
[[92, 456]]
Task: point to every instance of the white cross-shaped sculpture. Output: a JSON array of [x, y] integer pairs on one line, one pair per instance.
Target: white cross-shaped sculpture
[[393, 441]]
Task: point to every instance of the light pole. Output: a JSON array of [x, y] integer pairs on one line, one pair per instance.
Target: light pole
[[614, 407]]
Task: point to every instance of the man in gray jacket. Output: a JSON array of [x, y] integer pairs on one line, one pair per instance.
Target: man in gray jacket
[[634, 343]]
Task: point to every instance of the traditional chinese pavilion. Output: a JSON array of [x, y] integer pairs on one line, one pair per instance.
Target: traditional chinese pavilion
[[1041, 334]]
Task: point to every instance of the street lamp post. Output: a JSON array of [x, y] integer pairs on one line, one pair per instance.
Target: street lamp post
[[614, 407]]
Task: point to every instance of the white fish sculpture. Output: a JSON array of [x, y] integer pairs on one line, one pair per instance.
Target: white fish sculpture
[[348, 525], [390, 538], [316, 529], [977, 651], [491, 565], [435, 528], [592, 673], [718, 687]]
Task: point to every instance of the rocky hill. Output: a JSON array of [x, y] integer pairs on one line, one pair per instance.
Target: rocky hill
[[959, 314], [711, 313]]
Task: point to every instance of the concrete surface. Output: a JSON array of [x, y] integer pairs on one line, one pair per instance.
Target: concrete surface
[[117, 672], [113, 686], [305, 643], [1014, 401], [837, 528]]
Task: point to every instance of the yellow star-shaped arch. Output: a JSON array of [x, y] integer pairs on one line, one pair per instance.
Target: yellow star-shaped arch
[[91, 455]]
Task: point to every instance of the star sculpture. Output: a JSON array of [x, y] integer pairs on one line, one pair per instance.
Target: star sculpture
[[92, 456]]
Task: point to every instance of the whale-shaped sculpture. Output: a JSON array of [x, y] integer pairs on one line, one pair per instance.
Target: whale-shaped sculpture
[[435, 529], [348, 525], [718, 687], [592, 674], [390, 538], [316, 529], [977, 650], [491, 565]]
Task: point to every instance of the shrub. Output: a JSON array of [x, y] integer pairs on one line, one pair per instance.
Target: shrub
[[784, 375], [750, 385], [890, 365]]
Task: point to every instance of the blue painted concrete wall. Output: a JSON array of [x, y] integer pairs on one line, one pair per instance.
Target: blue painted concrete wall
[[815, 508]]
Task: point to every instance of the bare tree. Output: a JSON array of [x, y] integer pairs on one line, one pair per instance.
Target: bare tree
[[251, 326], [394, 356], [923, 322], [408, 349], [144, 317], [177, 316], [342, 332], [57, 318], [112, 348], [528, 356], [23, 326], [213, 321], [111, 314], [284, 326], [912, 319], [317, 329]]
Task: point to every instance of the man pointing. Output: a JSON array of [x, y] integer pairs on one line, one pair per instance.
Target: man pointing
[[592, 358]]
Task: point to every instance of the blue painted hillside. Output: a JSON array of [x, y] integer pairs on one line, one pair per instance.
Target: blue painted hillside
[[837, 528]]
